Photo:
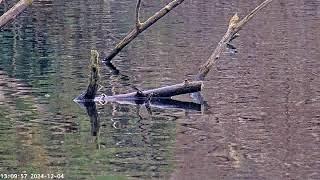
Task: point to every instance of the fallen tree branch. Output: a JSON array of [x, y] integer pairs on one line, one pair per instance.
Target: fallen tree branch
[[235, 25], [12, 13], [163, 92], [140, 27]]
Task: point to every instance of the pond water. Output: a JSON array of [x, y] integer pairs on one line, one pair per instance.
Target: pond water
[[262, 120]]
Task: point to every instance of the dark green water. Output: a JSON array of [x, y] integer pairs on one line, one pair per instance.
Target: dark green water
[[263, 116]]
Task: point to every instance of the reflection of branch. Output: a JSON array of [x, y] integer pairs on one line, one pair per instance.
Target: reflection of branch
[[113, 69], [138, 107], [140, 27], [94, 118], [92, 112], [175, 104], [164, 104], [198, 98]]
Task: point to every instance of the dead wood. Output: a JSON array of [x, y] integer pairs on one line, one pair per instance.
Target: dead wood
[[93, 85], [235, 25], [163, 92], [140, 27], [12, 13]]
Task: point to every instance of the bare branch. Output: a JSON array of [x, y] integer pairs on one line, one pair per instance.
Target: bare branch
[[138, 24], [134, 32], [12, 13], [251, 15], [235, 25]]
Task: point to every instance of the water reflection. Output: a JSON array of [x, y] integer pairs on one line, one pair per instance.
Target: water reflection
[[91, 109], [263, 120], [140, 139]]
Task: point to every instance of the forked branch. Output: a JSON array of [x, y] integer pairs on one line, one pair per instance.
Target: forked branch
[[138, 23], [140, 27], [235, 25]]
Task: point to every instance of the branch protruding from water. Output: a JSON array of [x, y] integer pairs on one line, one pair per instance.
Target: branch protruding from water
[[141, 26], [235, 25], [93, 85], [138, 23], [12, 13]]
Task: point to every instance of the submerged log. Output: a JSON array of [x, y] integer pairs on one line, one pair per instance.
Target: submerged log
[[12, 13], [140, 27], [235, 25]]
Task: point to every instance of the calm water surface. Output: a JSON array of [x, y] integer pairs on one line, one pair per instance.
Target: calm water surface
[[263, 119]]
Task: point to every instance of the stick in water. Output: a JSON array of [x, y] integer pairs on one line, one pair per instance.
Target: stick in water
[[140, 27], [12, 13], [235, 25]]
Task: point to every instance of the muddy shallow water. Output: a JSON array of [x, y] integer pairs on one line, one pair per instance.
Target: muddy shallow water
[[262, 119]]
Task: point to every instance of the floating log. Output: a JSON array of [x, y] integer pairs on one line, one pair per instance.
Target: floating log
[[12, 13], [140, 27], [163, 92]]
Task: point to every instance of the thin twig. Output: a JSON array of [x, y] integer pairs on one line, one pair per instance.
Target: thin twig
[[138, 24]]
